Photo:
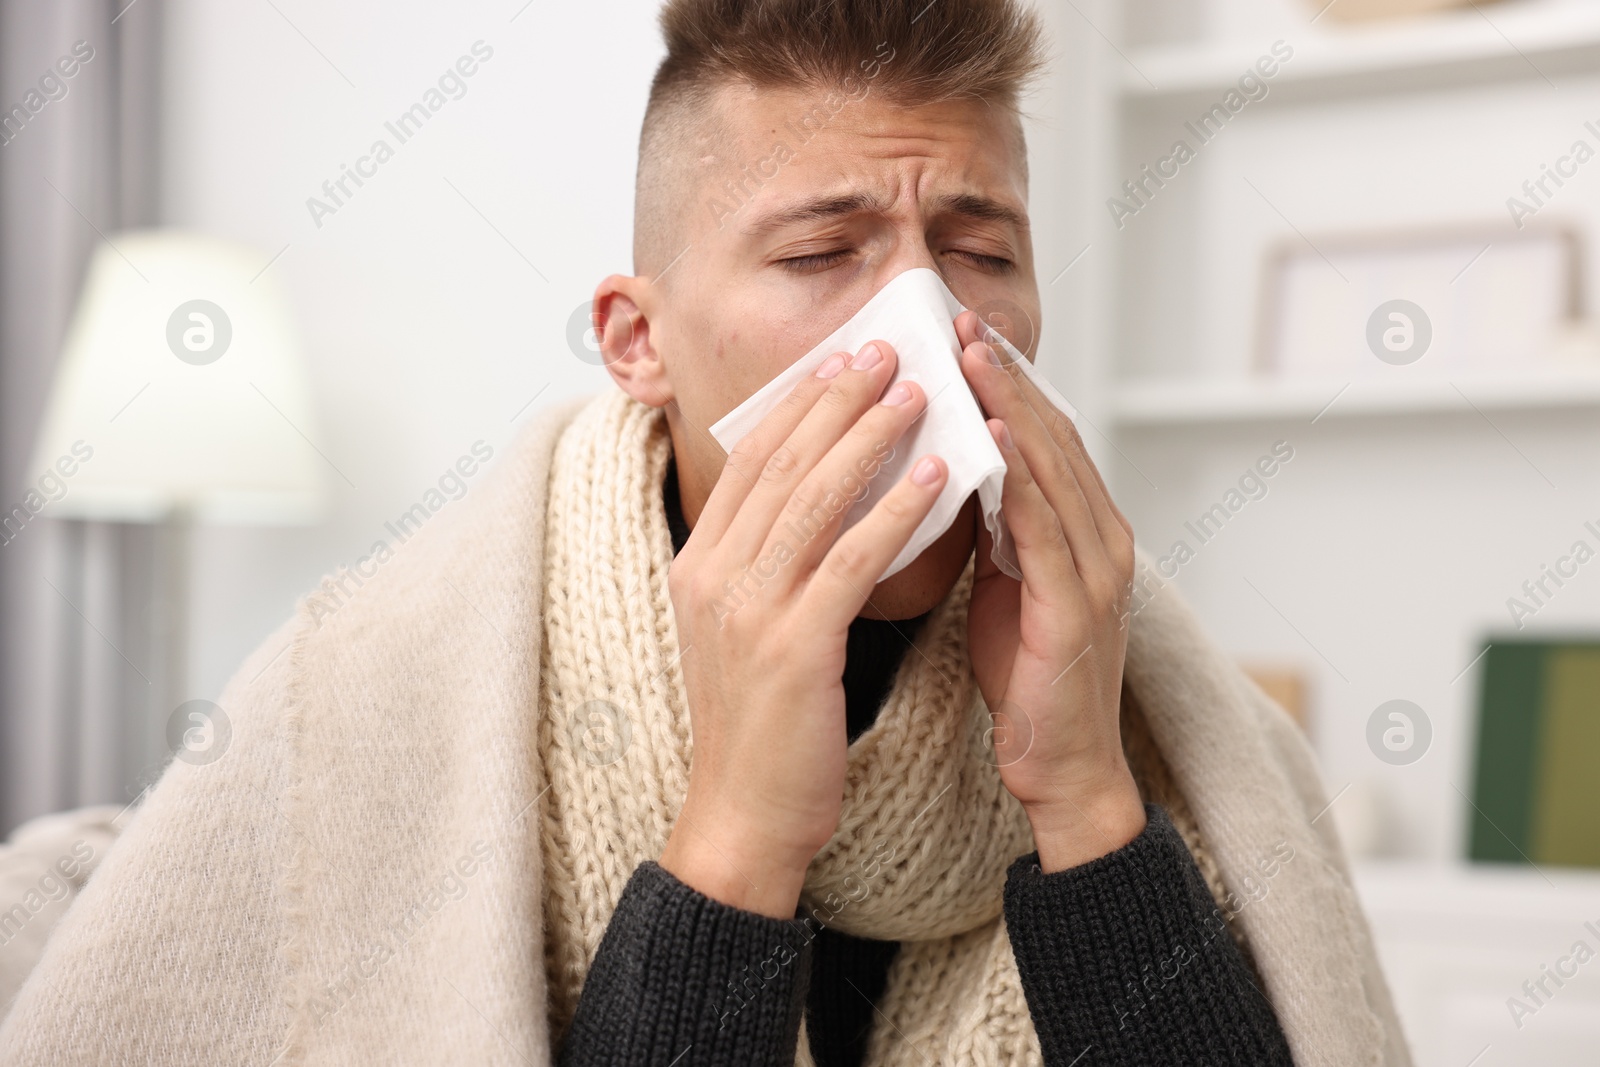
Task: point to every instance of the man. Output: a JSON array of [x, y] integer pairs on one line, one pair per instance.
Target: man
[[610, 767]]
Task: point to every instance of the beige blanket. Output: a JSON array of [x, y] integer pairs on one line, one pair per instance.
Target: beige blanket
[[43, 865], [355, 880]]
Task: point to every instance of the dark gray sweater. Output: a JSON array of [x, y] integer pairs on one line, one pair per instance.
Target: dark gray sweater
[[1123, 960]]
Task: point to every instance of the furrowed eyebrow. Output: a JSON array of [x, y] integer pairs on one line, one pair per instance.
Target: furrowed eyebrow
[[980, 208], [820, 209], [824, 208]]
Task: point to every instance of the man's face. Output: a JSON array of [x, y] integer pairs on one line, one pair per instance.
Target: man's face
[[784, 244]]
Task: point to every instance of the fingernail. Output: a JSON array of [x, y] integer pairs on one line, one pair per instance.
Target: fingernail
[[870, 356], [898, 394], [1005, 436], [987, 333], [926, 472], [832, 365], [991, 355]]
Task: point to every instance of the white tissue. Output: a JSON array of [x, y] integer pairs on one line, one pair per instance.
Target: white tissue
[[915, 313]]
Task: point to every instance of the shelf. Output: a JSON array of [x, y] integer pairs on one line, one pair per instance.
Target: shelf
[[1536, 41], [1177, 402]]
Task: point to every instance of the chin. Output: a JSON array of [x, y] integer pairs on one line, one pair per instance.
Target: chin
[[921, 584]]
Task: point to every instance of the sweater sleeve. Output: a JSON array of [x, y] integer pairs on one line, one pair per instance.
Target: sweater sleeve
[[1126, 960], [682, 980]]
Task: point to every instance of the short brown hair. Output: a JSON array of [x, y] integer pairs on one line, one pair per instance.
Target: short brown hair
[[942, 49]]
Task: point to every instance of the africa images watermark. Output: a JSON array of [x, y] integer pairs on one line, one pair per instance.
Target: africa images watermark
[[53, 85], [406, 125], [835, 501], [1565, 969], [1399, 732], [397, 935], [736, 193], [1205, 527], [747, 986], [856, 886], [1252, 86], [1538, 590], [1577, 155], [338, 590], [600, 732], [51, 487], [1153, 982], [54, 885]]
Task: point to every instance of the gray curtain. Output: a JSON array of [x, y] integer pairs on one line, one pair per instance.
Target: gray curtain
[[80, 619]]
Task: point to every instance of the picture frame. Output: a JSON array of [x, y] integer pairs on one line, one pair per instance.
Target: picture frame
[[1470, 298]]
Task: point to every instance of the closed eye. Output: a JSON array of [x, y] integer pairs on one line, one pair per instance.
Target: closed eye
[[995, 264], [815, 262], [823, 260]]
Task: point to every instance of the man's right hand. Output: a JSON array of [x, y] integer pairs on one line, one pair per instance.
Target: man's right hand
[[764, 592]]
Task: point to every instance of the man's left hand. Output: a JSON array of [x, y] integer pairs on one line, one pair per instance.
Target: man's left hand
[[1048, 651]]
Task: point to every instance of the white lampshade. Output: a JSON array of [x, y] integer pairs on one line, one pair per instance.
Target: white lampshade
[[182, 379]]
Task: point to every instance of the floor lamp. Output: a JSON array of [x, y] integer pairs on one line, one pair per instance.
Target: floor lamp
[[181, 397]]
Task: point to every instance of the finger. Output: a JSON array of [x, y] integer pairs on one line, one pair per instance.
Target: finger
[[971, 329], [1115, 532], [751, 458], [1065, 431], [813, 515], [1000, 396], [968, 328], [854, 385], [1044, 552], [743, 465], [841, 585]]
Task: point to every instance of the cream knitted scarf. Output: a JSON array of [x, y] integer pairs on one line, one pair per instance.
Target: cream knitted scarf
[[927, 829], [433, 796]]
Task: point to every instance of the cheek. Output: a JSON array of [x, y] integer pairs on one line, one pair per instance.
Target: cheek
[[743, 364], [749, 355], [732, 367]]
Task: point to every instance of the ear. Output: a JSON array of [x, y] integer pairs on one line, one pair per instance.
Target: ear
[[622, 310]]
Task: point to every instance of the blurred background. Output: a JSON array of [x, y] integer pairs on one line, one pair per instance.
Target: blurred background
[[1318, 276]]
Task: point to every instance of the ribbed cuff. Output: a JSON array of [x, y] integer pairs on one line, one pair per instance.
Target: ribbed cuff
[[1127, 960], [681, 979]]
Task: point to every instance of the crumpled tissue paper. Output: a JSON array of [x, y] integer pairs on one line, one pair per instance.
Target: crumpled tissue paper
[[915, 313]]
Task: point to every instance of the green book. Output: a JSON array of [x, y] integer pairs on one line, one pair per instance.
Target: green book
[[1537, 790]]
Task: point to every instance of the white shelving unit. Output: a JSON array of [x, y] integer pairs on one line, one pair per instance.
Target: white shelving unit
[[1196, 402], [1503, 41], [1382, 554], [1535, 40]]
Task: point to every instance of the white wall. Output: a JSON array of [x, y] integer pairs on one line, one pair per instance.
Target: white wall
[[426, 329]]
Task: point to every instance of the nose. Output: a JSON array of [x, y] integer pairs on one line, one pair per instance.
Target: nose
[[911, 250]]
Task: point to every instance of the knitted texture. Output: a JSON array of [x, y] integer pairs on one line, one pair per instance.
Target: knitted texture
[[927, 831], [320, 895], [667, 947], [1126, 959]]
